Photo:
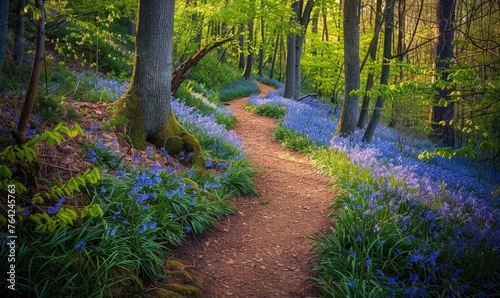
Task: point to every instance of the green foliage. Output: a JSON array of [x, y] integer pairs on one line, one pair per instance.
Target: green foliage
[[291, 139], [240, 177], [273, 111]]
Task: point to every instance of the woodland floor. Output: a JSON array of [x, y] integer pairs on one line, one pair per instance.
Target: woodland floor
[[265, 249]]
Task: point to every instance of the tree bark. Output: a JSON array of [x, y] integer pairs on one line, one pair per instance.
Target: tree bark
[[180, 71], [363, 115], [386, 70], [146, 106], [247, 72], [4, 27], [347, 121], [444, 49], [241, 57], [19, 33], [294, 49], [30, 98]]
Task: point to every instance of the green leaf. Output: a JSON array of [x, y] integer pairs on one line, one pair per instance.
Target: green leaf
[[442, 102]]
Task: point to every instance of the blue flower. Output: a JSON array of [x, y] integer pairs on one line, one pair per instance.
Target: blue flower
[[187, 229], [368, 262], [80, 245], [391, 280], [192, 201], [352, 283], [413, 276], [53, 210], [116, 215], [91, 156], [112, 231]]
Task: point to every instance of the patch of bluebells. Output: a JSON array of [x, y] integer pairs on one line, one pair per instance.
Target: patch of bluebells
[[318, 126], [448, 202], [191, 118]]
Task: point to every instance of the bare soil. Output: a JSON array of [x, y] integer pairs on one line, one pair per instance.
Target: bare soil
[[265, 249]]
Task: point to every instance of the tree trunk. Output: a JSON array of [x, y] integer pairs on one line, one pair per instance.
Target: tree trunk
[[4, 28], [247, 73], [294, 49], [273, 61], [290, 68], [30, 98], [241, 57], [262, 47], [347, 121], [146, 105], [440, 112], [363, 115], [386, 70], [19, 33]]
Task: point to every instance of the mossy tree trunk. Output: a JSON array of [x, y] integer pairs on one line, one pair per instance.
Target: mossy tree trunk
[[146, 106]]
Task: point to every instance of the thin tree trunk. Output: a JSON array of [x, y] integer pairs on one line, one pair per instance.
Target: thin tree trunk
[[4, 27], [275, 52], [241, 57], [290, 67], [247, 73], [180, 71], [262, 47], [386, 70], [19, 34], [363, 115], [30, 98]]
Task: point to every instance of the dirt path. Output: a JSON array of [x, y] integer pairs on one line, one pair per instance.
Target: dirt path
[[264, 250]]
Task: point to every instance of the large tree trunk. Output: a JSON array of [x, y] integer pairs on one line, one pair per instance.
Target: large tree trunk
[[363, 114], [4, 27], [30, 98], [147, 103], [386, 70], [444, 112], [347, 122]]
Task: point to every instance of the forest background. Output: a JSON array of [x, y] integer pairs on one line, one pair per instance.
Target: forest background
[[425, 69]]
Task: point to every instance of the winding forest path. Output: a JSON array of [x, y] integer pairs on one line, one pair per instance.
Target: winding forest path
[[265, 249]]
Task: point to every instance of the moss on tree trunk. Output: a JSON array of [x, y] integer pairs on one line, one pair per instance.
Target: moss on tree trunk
[[172, 136]]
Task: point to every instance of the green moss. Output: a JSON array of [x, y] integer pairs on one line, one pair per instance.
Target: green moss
[[175, 139], [129, 107]]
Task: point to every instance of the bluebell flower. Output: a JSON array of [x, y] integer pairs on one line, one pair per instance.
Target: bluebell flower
[[413, 276], [368, 262], [91, 155], [192, 201], [352, 253], [53, 210], [80, 245], [187, 229], [116, 215], [352, 283], [391, 280], [112, 231]]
